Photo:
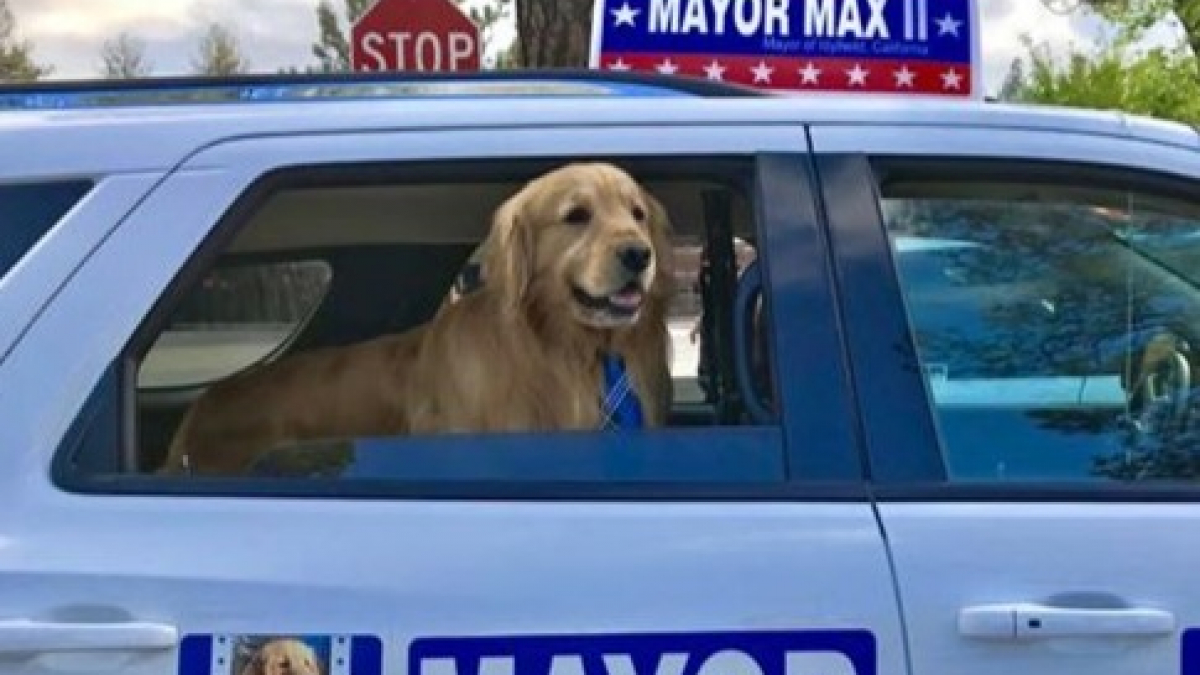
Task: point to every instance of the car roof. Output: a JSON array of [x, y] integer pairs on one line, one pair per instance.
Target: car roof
[[153, 123]]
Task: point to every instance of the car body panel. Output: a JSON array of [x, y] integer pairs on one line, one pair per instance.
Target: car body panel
[[132, 139], [405, 569], [26, 289], [964, 535]]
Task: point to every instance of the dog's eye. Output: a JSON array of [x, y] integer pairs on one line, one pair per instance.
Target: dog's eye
[[639, 214], [578, 216]]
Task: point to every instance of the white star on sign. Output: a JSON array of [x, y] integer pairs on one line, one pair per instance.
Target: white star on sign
[[625, 15], [715, 71], [809, 74], [904, 77], [619, 64], [667, 67], [951, 80], [948, 24], [858, 76], [762, 72]]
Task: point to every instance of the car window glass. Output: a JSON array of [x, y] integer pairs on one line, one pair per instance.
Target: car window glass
[[28, 212], [1059, 335], [235, 318]]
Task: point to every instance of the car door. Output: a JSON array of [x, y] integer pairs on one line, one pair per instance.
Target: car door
[[1021, 307], [712, 549]]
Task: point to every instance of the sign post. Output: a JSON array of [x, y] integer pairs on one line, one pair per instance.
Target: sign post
[[895, 47], [415, 35]]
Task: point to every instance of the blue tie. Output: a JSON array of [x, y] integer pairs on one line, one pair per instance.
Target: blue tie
[[620, 408]]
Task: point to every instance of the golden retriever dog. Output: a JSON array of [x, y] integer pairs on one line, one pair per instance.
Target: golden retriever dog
[[576, 267], [283, 656]]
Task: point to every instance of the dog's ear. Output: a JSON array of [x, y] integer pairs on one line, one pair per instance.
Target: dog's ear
[[508, 252], [659, 225], [254, 664]]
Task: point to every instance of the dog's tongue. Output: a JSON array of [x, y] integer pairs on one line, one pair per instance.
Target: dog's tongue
[[628, 298]]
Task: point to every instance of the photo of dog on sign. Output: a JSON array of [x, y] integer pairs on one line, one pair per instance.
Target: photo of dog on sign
[[277, 655]]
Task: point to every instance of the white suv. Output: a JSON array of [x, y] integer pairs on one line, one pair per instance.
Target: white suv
[[969, 447]]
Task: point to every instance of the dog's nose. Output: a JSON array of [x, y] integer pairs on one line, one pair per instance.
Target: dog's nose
[[634, 257]]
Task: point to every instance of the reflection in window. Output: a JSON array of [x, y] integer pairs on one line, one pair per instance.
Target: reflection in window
[[1058, 335], [237, 317]]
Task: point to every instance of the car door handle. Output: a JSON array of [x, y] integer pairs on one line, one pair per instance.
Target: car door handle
[[1031, 620], [25, 636]]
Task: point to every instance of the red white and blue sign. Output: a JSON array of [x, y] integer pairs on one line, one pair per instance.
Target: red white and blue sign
[[1190, 652], [803, 652], [897, 47]]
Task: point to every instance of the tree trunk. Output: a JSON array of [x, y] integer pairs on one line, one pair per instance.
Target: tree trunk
[[553, 33]]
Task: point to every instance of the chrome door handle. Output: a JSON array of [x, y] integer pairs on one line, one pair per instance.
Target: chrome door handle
[[1025, 620], [25, 636]]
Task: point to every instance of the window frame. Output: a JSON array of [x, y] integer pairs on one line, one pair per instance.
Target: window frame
[[787, 223], [900, 429]]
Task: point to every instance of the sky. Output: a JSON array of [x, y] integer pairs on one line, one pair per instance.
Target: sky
[[68, 34]]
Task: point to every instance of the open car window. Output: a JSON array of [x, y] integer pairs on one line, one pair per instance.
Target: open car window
[[310, 267]]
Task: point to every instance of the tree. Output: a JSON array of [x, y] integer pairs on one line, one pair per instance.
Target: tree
[[1161, 82], [124, 57], [553, 33], [487, 17], [16, 55], [219, 52], [1140, 15], [1014, 83], [333, 47]]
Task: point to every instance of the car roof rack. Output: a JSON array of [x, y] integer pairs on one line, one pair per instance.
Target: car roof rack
[[204, 90]]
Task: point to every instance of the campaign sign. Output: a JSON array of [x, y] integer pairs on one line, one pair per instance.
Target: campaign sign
[[265, 653], [1190, 652], [807, 652], [898, 47]]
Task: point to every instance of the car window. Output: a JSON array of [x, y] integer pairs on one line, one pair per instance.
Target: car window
[[1059, 331], [236, 317], [346, 263], [28, 211]]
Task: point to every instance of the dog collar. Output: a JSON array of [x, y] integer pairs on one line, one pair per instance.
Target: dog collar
[[619, 404]]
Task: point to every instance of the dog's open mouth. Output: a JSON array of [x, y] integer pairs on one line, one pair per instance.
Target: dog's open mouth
[[625, 302]]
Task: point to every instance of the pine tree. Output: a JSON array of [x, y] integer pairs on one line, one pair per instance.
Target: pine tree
[[219, 53], [16, 55], [124, 57]]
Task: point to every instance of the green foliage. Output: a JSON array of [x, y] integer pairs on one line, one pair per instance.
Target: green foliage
[[488, 17], [1161, 82], [219, 53], [124, 57], [16, 55], [333, 48], [1135, 17]]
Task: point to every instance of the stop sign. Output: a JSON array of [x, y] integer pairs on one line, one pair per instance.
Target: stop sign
[[424, 35]]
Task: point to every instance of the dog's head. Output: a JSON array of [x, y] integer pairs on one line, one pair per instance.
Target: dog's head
[[283, 656], [584, 236]]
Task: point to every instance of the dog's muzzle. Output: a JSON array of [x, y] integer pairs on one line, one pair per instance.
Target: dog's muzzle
[[625, 302]]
